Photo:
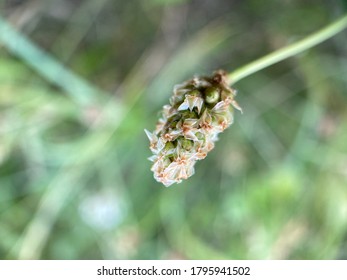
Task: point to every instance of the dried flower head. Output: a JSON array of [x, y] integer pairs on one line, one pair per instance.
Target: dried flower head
[[199, 110]]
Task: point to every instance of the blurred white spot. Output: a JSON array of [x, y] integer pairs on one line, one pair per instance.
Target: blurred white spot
[[102, 211]]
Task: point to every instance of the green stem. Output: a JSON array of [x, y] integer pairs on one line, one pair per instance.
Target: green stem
[[291, 50], [82, 92]]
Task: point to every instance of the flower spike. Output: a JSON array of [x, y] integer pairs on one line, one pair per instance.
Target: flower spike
[[199, 110]]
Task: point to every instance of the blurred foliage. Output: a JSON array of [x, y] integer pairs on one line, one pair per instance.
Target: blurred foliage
[[74, 177]]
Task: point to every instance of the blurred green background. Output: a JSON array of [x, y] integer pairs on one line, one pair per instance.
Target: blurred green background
[[81, 79]]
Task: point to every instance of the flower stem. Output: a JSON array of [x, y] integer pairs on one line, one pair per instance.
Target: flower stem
[[291, 50]]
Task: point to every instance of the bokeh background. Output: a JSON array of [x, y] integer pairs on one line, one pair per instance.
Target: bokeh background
[[81, 79]]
